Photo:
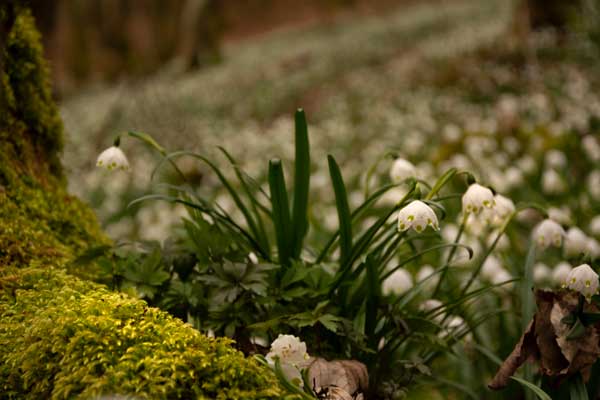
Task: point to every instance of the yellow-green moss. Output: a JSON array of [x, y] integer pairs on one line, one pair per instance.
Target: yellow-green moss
[[40, 223], [62, 337]]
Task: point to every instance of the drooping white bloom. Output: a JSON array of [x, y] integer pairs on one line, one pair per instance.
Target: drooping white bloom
[[542, 273], [252, 258], [417, 215], [292, 356], [593, 248], [402, 169], [397, 283], [575, 242], [491, 266], [552, 182], [560, 215], [501, 211], [584, 280], [548, 233], [591, 147], [113, 158], [476, 198], [560, 272], [593, 184], [555, 159]]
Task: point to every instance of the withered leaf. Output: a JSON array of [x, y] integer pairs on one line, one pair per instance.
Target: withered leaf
[[349, 375]]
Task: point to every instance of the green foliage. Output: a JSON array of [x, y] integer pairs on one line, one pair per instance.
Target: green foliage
[[61, 337]]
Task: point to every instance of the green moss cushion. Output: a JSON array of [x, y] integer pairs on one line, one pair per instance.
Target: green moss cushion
[[61, 337]]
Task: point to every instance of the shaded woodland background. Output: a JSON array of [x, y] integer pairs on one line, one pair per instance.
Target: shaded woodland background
[[91, 41]]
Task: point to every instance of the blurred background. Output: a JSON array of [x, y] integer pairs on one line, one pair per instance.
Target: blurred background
[[428, 80]]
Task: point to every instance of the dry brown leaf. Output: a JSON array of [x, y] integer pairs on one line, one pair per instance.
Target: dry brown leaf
[[546, 340], [348, 375]]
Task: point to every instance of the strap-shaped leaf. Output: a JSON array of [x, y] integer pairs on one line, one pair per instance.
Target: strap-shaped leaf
[[280, 210], [343, 210], [301, 184]]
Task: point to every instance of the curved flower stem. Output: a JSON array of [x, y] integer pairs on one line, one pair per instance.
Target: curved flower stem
[[461, 229], [488, 252]]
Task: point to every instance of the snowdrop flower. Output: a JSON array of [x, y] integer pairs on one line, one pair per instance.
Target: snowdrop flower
[[292, 356], [591, 147], [555, 159], [501, 211], [548, 233], [417, 215], [402, 170], [397, 283], [552, 182], [575, 242], [491, 266], [593, 248], [560, 272], [476, 198], [584, 280], [560, 215], [113, 158], [593, 184], [252, 258], [542, 273]]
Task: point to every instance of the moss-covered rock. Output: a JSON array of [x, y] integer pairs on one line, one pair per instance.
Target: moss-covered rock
[[61, 336]]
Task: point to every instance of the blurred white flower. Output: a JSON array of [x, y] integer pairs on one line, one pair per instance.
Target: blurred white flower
[[555, 159], [113, 158], [292, 356], [548, 233], [417, 215], [593, 184], [560, 272], [502, 210], [575, 242], [402, 170], [397, 283], [476, 198], [593, 248], [591, 147], [252, 258], [595, 225], [552, 182], [560, 215], [584, 280], [424, 273], [541, 273]]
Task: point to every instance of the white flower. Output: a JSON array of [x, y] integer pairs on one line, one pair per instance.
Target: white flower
[[501, 211], [584, 280], [575, 242], [113, 158], [593, 184], [593, 248], [491, 266], [425, 273], [397, 283], [542, 273], [417, 215], [292, 356], [252, 258], [560, 272], [402, 170], [552, 182], [476, 198], [555, 159], [548, 233]]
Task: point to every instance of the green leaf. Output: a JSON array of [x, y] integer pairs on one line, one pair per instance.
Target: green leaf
[[577, 388], [301, 184], [281, 211], [343, 210], [534, 388], [373, 295]]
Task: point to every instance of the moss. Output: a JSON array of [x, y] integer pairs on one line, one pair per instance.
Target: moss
[[62, 337], [41, 223]]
